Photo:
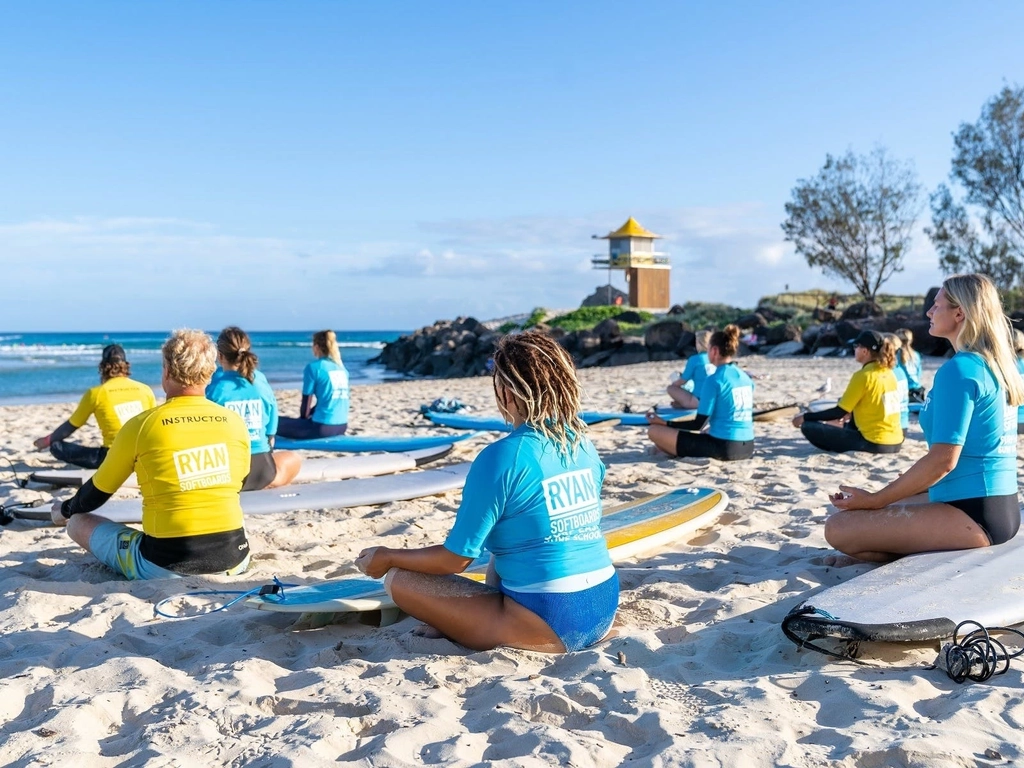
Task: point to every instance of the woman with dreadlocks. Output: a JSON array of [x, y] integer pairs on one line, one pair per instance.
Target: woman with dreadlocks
[[533, 500]]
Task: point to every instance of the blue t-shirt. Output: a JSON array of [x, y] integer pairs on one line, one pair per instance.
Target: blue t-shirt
[[254, 402], [327, 381], [537, 512], [727, 399], [912, 370], [903, 389], [1020, 409], [967, 407], [697, 370]]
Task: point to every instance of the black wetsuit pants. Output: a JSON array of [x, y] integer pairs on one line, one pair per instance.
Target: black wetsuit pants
[[80, 455], [839, 439]]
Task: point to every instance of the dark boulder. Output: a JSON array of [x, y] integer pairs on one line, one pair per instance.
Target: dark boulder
[[609, 333], [629, 353], [664, 336], [862, 310], [630, 316], [606, 296]]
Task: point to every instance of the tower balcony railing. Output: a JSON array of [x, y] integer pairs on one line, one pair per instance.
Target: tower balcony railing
[[630, 260]]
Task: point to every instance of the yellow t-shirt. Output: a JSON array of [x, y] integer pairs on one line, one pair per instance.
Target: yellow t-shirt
[[191, 457], [114, 402], [873, 399]]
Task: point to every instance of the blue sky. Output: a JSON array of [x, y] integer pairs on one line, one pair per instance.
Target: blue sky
[[383, 165]]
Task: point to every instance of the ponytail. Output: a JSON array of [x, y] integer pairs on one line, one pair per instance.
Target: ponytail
[[727, 340], [235, 347], [327, 342]]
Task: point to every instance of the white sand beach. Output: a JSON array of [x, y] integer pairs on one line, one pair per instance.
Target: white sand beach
[[700, 673]]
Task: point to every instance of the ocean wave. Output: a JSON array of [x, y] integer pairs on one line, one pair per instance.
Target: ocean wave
[[32, 351]]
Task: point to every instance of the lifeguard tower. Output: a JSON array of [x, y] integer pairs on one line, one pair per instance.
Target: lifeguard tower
[[631, 249]]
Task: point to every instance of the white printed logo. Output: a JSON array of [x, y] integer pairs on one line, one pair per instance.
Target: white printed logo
[[891, 402], [339, 382], [1008, 443], [709, 368], [574, 507], [203, 466], [251, 412], [125, 411], [742, 400]]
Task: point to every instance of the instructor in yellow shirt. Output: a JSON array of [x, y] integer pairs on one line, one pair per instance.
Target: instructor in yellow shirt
[[191, 457], [871, 399], [114, 402]]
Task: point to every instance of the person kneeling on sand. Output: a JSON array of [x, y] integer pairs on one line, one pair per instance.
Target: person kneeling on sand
[[698, 368], [871, 399], [191, 457], [962, 494], [114, 401], [533, 499], [726, 405]]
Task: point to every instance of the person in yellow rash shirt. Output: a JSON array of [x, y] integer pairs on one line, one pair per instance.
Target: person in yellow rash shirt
[[114, 402], [191, 457]]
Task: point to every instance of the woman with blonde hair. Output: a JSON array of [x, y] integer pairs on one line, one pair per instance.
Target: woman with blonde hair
[[685, 391], [871, 400], [533, 499], [240, 386], [963, 493], [909, 360], [325, 394], [726, 404]]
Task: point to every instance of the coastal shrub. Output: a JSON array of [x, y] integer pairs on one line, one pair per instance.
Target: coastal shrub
[[537, 316], [508, 327], [586, 318], [705, 315]]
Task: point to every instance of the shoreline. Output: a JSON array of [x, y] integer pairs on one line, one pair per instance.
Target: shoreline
[[699, 674]]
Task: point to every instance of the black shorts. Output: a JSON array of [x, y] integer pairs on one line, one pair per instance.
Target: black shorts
[[997, 516], [694, 444], [839, 439], [262, 471]]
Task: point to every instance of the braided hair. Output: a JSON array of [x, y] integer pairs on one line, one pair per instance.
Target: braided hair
[[540, 375]]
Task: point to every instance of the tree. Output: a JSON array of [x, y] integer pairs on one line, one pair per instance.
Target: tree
[[988, 162], [854, 219]]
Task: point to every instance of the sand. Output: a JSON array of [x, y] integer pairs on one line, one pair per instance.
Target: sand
[[700, 673]]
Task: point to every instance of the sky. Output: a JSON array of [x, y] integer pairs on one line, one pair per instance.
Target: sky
[[384, 165]]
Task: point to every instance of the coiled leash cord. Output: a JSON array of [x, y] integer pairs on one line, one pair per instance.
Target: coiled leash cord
[[976, 650], [276, 589]]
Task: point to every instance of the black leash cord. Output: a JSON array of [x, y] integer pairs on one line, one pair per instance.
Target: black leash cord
[[978, 649]]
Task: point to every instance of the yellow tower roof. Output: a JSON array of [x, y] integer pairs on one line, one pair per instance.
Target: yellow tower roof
[[630, 229]]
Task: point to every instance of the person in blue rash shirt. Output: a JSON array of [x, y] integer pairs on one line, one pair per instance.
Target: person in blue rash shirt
[[726, 405], [242, 388], [902, 386], [1018, 350], [533, 499], [325, 394], [698, 368], [909, 359], [963, 493]]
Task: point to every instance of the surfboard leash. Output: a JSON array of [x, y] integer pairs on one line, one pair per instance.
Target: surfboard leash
[[275, 591], [805, 642], [976, 650]]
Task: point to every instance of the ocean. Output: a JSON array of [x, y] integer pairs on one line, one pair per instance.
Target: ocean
[[57, 367]]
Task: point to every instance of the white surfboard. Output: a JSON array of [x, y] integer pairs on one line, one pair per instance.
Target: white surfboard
[[824, 405], [313, 470], [918, 597], [629, 529], [340, 494]]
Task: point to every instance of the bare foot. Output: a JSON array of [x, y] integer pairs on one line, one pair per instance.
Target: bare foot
[[837, 561]]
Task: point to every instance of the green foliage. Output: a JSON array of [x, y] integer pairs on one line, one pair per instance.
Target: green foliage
[[508, 327], [588, 317], [537, 316], [855, 218], [807, 301], [703, 315]]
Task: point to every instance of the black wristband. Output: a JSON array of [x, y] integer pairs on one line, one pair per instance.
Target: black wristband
[[65, 509]]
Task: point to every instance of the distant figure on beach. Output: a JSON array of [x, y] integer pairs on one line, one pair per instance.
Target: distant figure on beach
[[113, 402], [726, 404], [191, 457], [240, 386], [325, 394], [833, 302], [902, 387], [1018, 350], [685, 391], [532, 499], [962, 494], [909, 359], [871, 401]]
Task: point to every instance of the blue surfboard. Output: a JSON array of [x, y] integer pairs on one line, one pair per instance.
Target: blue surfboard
[[364, 443], [496, 424]]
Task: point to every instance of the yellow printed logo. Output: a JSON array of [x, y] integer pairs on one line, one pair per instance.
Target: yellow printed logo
[[125, 411], [203, 466]]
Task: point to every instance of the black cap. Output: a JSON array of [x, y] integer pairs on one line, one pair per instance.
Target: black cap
[[113, 353], [870, 339]]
